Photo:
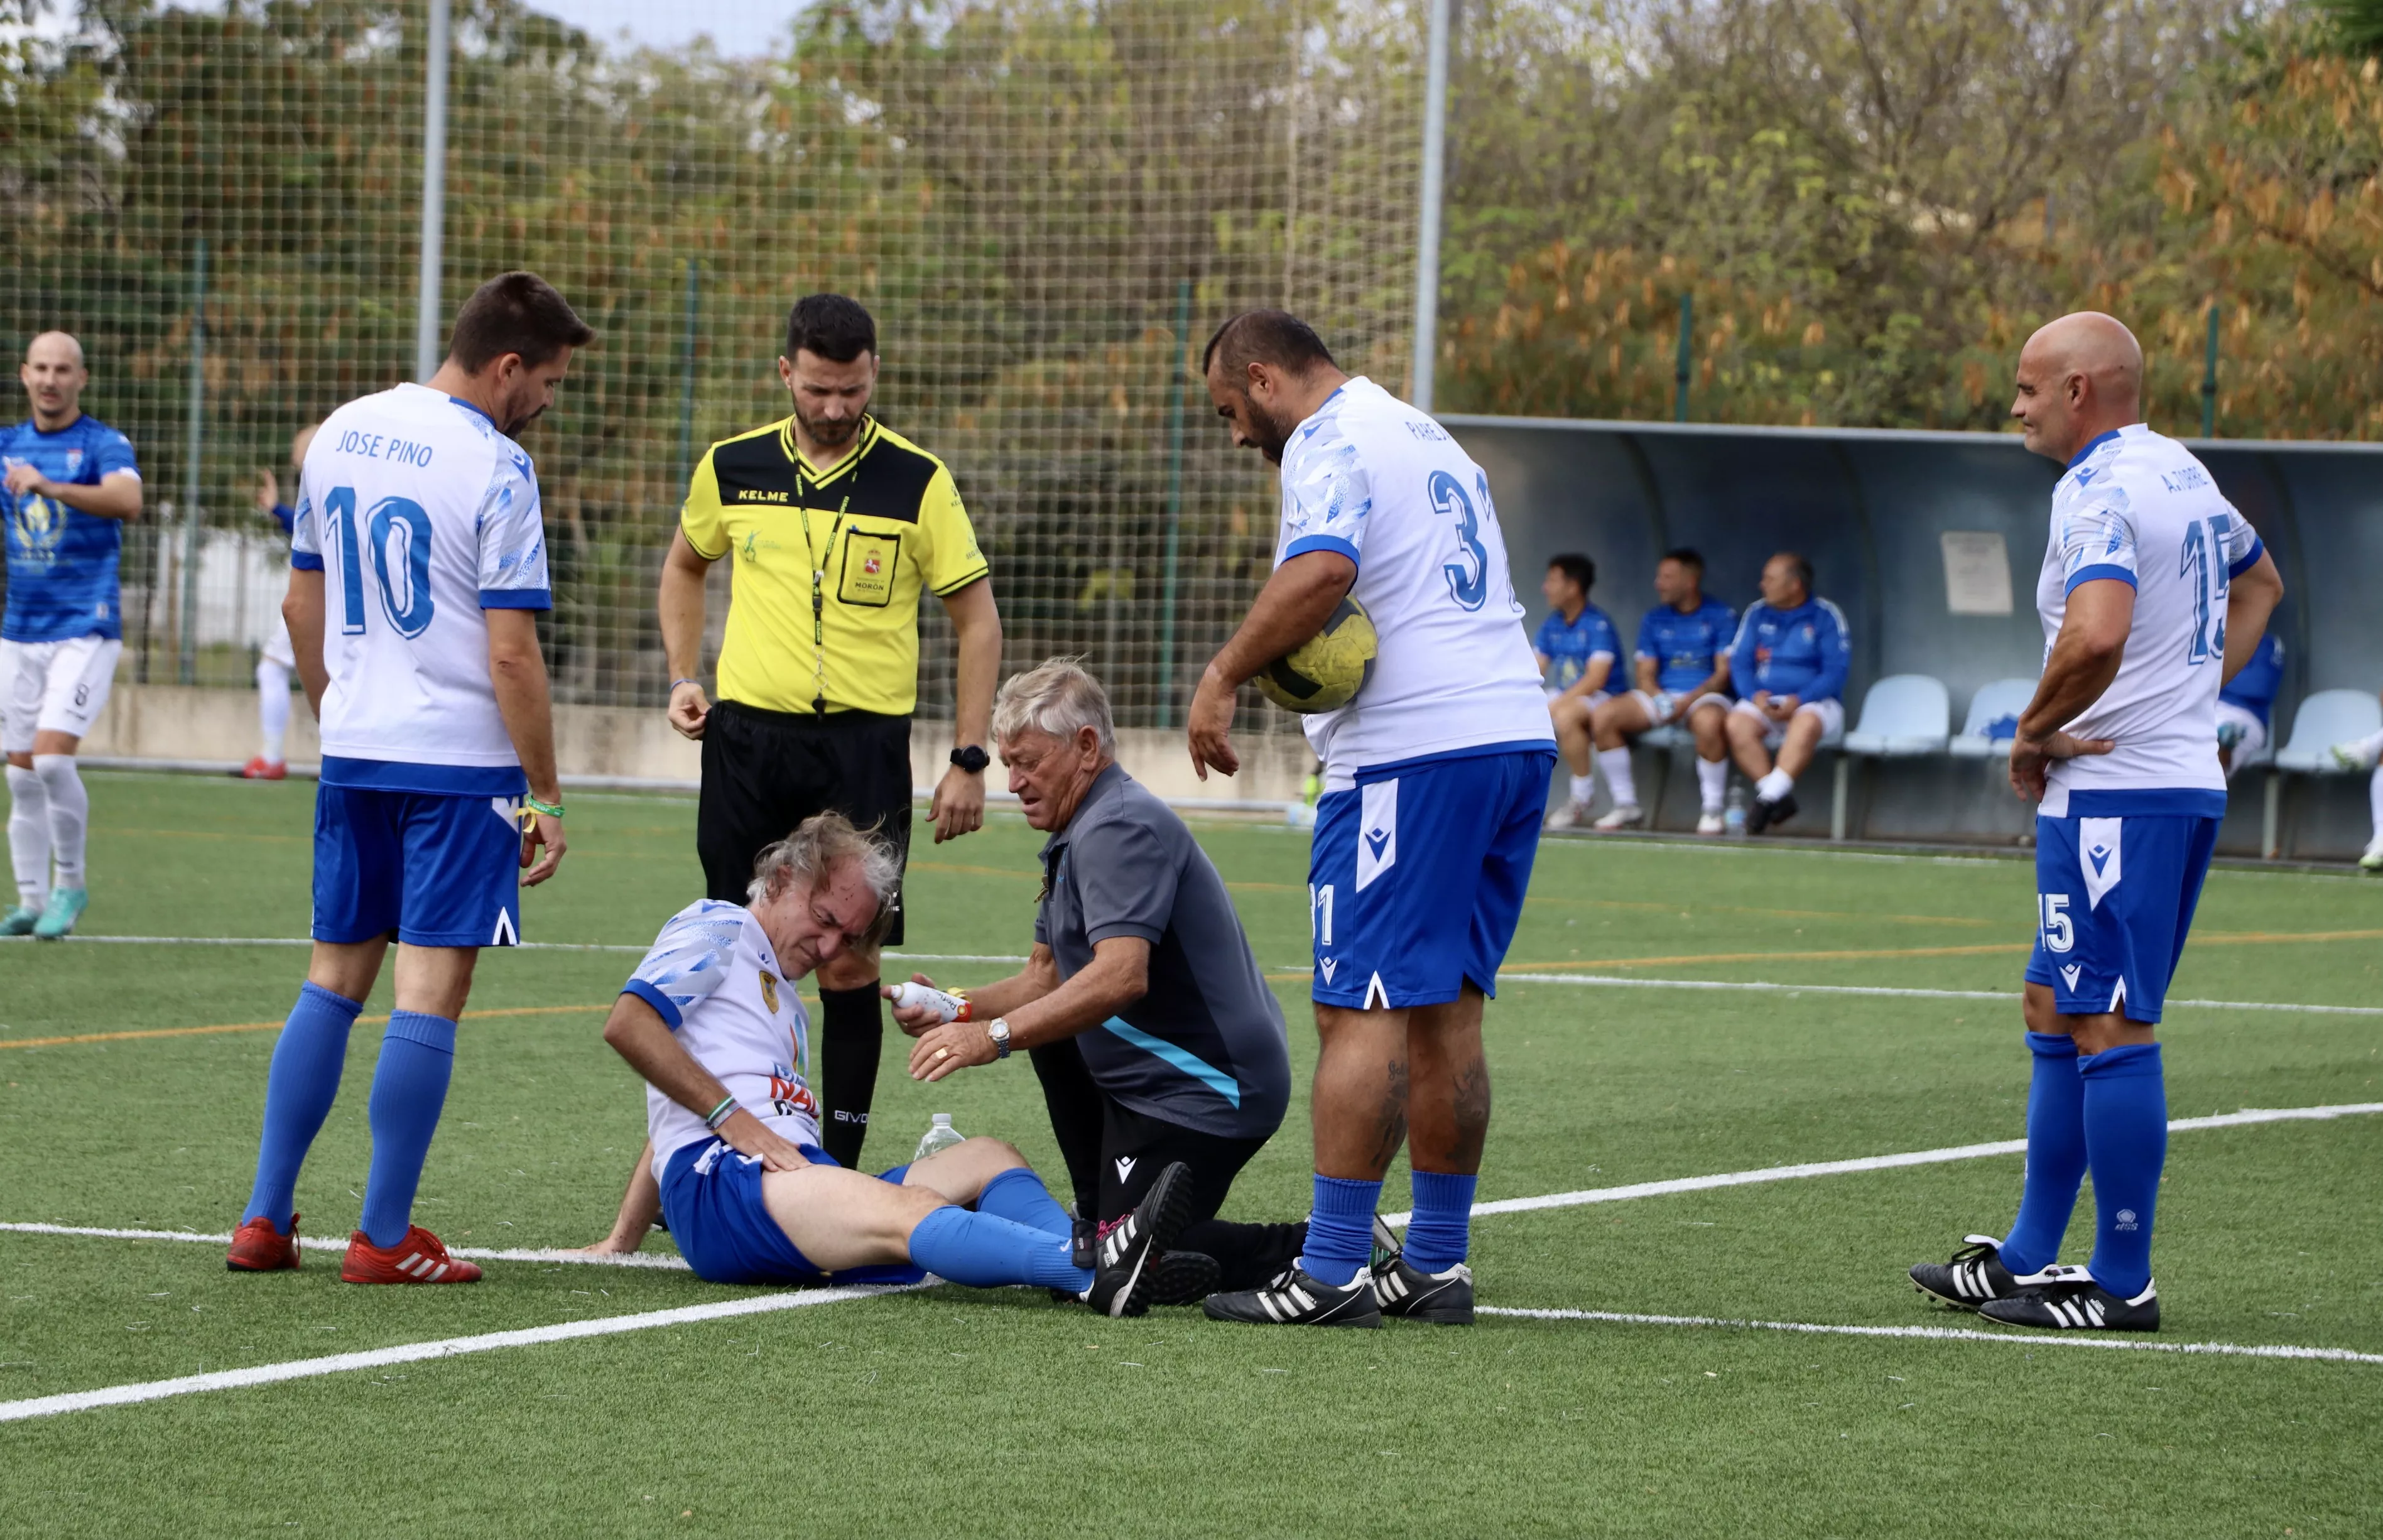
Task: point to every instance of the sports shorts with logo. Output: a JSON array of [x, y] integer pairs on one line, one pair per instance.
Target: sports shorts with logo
[[2114, 902], [54, 687], [1416, 875], [712, 1200], [439, 869]]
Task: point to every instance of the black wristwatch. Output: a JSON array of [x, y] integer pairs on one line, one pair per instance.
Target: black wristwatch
[[973, 758]]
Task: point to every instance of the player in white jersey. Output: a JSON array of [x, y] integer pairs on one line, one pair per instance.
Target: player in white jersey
[[2154, 590], [1436, 778], [417, 567], [711, 1022]]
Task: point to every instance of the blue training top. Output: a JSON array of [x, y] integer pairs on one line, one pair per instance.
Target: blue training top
[[1686, 647], [62, 560], [1802, 652], [1568, 649], [2255, 688]]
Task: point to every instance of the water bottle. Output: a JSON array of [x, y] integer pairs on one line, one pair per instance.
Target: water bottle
[[941, 1135], [945, 1006], [1733, 822]]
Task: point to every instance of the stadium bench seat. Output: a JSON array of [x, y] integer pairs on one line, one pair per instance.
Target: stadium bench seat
[[2003, 697], [1903, 715], [2325, 718]]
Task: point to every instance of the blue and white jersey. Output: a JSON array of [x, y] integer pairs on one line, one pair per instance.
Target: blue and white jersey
[[1686, 649], [62, 560], [1371, 477], [1803, 652], [420, 515], [2137, 508], [2255, 687], [1571, 648], [714, 977]]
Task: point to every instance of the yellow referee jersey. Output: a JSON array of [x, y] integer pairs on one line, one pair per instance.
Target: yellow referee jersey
[[827, 565]]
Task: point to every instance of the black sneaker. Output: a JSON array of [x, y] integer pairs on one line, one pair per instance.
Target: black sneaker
[[1763, 815], [1441, 1298], [1293, 1299], [1183, 1278], [2075, 1303], [1975, 1275], [1127, 1271]]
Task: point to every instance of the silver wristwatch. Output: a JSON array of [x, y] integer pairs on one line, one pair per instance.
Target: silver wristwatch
[[998, 1030]]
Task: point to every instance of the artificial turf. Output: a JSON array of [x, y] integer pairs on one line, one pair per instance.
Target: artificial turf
[[953, 1411]]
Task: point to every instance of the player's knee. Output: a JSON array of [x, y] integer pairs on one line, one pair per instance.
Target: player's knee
[[993, 1155]]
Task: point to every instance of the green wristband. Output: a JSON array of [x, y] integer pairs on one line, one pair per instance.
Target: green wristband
[[551, 809], [721, 1113]]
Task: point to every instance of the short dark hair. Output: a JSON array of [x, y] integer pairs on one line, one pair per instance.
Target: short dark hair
[[1579, 568], [514, 313], [1686, 556], [1803, 568], [832, 326], [1274, 337]]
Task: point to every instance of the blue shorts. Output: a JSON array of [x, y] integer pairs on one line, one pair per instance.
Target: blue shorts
[[1416, 877], [438, 870], [711, 1199], [2114, 901]]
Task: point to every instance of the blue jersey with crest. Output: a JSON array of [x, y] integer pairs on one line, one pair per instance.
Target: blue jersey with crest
[[1686, 649], [1802, 652], [62, 561], [2255, 688], [1570, 647]]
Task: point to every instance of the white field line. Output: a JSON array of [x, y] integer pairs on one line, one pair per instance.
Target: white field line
[[2004, 997], [1880, 1163], [1951, 1334], [519, 946], [416, 1352], [327, 1243]]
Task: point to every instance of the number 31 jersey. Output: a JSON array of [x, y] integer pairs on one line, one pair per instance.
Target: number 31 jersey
[[2138, 508], [420, 515], [1377, 481]]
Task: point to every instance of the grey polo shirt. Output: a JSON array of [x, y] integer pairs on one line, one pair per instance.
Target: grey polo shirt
[[1205, 1049]]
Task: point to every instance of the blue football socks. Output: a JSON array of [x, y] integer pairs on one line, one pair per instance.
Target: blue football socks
[[1340, 1230], [1019, 1196], [409, 1090], [299, 1090], [1440, 1231], [2055, 1155], [984, 1251], [2126, 1139]]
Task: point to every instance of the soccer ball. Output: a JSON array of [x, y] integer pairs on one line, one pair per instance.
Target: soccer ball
[[1325, 671]]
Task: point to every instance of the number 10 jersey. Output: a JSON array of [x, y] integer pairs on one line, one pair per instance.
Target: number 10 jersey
[[420, 515], [1380, 483], [2137, 508]]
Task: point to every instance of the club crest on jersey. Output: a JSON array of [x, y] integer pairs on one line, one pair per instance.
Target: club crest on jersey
[[74, 461], [770, 990]]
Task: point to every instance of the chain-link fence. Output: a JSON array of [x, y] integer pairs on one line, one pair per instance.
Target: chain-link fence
[[1047, 204]]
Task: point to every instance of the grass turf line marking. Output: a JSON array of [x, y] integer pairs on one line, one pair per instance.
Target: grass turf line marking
[[416, 1352], [2246, 1118], [658, 1260], [639, 947], [1949, 1333], [1620, 982], [132, 1033]]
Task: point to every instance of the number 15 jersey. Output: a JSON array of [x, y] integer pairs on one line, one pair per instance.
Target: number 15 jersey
[[2137, 508], [420, 515], [1377, 481]]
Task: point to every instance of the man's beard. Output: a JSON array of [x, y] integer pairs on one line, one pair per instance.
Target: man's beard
[[1267, 432], [512, 427], [829, 434]]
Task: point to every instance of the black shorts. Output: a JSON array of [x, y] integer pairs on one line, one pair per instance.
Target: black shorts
[[766, 771], [1135, 1146]]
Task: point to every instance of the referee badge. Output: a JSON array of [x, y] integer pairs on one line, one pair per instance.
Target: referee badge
[[770, 990]]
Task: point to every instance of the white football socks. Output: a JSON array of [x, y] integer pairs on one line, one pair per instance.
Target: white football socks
[[2374, 800], [70, 814], [29, 835], [1712, 782], [1615, 763], [1583, 788], [1771, 787], [273, 707]]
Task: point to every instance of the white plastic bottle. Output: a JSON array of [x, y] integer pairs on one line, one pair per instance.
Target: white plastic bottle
[[941, 1135], [1733, 820], [944, 1006]]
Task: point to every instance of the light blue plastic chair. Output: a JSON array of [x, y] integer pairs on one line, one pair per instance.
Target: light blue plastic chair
[[2325, 718], [1903, 715], [2003, 697]]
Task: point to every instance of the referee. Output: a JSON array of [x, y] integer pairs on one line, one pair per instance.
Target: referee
[[835, 524]]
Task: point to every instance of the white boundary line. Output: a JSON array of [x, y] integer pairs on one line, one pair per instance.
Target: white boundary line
[[415, 1352], [2247, 1116], [2003, 996], [327, 1243], [1951, 1334], [518, 946]]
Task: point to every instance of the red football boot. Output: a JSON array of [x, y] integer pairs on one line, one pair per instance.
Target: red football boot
[[263, 769], [257, 1247], [420, 1257]]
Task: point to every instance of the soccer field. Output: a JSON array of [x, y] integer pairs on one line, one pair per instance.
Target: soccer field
[[1695, 1332]]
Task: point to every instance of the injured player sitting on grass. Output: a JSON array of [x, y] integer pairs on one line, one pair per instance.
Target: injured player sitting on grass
[[710, 1020]]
